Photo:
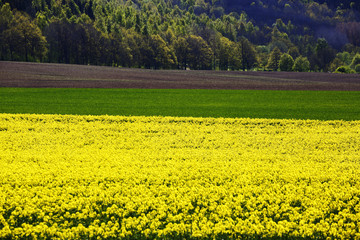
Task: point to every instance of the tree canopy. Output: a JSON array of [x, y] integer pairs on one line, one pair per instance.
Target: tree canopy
[[182, 34]]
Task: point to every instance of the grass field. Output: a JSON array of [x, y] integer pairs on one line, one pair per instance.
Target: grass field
[[322, 105]]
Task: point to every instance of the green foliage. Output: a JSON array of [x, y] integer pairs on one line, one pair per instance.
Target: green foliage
[[199, 55], [294, 52], [279, 40], [161, 55], [356, 60], [262, 54], [181, 47], [227, 53], [118, 32], [248, 54], [345, 57], [335, 64], [344, 69], [301, 64], [20, 38], [357, 68], [6, 18], [324, 55], [274, 59], [286, 63]]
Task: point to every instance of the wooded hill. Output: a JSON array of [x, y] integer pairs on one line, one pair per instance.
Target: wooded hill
[[295, 35]]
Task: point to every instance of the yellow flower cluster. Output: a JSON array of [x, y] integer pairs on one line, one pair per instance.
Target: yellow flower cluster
[[110, 177]]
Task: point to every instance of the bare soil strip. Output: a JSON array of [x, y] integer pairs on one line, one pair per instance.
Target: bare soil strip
[[42, 75]]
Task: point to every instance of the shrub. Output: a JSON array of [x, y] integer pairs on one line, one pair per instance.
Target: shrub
[[356, 60], [344, 69], [357, 68]]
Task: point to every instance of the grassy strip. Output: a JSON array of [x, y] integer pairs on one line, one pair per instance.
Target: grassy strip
[[322, 105]]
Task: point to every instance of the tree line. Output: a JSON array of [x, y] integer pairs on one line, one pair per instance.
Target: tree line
[[173, 34]]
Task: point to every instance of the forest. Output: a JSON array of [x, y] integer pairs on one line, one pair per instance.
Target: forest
[[273, 35]]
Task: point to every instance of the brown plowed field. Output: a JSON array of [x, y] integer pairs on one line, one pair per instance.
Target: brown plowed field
[[20, 74]]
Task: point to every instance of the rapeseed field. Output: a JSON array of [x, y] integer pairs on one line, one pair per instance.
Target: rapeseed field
[[110, 177]]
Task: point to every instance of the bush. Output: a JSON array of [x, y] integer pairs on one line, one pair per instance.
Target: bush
[[357, 68], [356, 60], [344, 69]]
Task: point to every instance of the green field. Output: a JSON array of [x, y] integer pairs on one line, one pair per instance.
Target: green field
[[322, 105]]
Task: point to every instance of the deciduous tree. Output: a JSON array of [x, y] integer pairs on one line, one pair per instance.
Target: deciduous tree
[[352, 31], [6, 18], [248, 54], [181, 50], [301, 64], [199, 53], [323, 56], [286, 63], [274, 59], [226, 53], [22, 37], [162, 56]]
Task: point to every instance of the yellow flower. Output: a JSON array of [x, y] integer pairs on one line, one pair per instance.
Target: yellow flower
[[71, 177]]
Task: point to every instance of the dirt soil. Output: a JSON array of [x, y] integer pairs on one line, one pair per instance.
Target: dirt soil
[[42, 75]]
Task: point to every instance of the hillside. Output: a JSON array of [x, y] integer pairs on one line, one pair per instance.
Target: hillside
[[295, 35]]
